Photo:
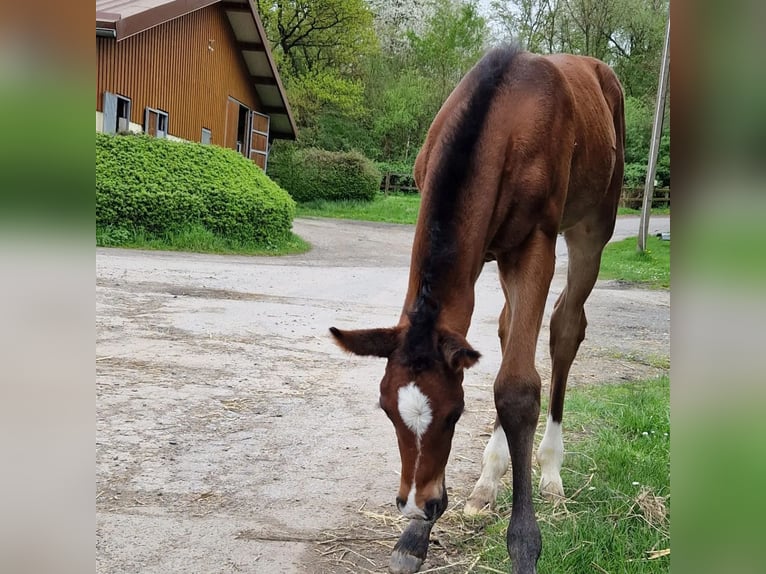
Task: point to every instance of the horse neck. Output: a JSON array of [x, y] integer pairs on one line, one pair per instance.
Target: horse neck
[[451, 283]]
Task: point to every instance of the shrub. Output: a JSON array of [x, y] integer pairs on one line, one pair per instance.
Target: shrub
[[159, 186], [311, 174]]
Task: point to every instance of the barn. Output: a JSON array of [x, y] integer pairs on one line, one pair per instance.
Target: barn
[[193, 70]]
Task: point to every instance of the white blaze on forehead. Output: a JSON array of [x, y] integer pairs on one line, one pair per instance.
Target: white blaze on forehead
[[415, 409]]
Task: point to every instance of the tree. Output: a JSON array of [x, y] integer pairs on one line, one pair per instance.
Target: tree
[[394, 18], [531, 22], [318, 45], [312, 35], [452, 42], [626, 34]]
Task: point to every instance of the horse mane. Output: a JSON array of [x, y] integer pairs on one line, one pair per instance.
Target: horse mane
[[454, 166]]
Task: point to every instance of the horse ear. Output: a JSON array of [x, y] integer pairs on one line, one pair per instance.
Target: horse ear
[[374, 342], [456, 351]]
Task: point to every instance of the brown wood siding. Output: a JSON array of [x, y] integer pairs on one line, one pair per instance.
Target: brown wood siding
[[170, 68]]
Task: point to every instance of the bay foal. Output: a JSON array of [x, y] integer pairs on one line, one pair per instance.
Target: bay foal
[[524, 148]]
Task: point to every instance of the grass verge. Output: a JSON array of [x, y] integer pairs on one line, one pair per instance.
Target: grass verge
[[617, 478], [195, 239], [622, 261], [631, 211], [393, 208]]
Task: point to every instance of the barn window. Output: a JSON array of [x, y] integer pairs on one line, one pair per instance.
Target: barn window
[[156, 123], [206, 136], [116, 113]]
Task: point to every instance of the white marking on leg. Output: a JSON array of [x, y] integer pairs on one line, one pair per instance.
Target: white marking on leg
[[550, 456], [496, 457], [415, 410], [494, 464]]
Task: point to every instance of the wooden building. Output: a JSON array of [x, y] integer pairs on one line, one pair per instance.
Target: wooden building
[[195, 70]]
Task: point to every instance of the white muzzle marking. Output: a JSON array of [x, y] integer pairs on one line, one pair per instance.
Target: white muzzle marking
[[411, 510]]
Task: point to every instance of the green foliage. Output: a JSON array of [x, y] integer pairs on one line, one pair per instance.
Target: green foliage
[[626, 34], [160, 186], [639, 117], [405, 110], [319, 46], [315, 35], [638, 130], [340, 132], [312, 174], [452, 43], [351, 91], [663, 160], [328, 91]]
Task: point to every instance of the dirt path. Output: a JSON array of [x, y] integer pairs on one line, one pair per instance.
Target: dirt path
[[233, 436]]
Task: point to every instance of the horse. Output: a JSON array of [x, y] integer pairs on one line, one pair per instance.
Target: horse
[[526, 147]]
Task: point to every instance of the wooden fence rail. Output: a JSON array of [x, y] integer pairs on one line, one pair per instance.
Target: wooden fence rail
[[631, 196]]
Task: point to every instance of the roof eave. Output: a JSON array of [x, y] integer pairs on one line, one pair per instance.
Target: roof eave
[[273, 66]]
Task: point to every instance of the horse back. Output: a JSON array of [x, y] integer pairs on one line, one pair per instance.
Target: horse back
[[546, 155], [597, 154]]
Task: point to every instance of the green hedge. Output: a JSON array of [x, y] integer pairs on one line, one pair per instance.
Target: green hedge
[[311, 173], [159, 186]]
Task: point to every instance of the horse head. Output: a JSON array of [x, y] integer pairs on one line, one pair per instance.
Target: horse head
[[422, 394]]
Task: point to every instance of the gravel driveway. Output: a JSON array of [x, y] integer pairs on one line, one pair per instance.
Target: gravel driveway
[[233, 436]]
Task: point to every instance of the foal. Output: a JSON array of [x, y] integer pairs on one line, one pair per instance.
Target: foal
[[524, 148]]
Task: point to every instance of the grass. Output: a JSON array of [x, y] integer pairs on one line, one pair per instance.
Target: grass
[[631, 211], [392, 208], [617, 477], [621, 260], [651, 360], [195, 239]]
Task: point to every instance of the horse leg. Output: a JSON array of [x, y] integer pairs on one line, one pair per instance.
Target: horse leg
[[412, 547], [496, 457], [585, 242], [526, 279]]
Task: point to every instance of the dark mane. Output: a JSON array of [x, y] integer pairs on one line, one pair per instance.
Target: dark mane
[[453, 170]]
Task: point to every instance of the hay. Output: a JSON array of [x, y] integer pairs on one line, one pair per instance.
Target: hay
[[369, 542], [652, 507]]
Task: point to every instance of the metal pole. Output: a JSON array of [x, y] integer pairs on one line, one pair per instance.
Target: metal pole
[[659, 115]]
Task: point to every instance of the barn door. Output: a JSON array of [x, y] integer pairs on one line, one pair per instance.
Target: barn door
[[232, 118], [259, 139]]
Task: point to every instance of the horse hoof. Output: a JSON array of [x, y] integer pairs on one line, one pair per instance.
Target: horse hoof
[[402, 563], [551, 488], [476, 507], [481, 501]]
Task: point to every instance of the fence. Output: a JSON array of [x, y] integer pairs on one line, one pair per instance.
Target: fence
[[632, 197], [398, 183]]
